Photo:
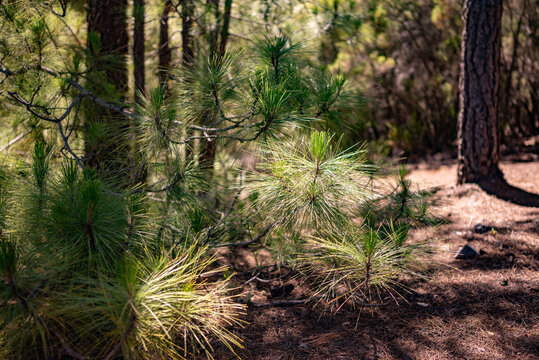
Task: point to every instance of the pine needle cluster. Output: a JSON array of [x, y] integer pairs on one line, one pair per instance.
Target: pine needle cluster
[[360, 266], [307, 183], [84, 274]]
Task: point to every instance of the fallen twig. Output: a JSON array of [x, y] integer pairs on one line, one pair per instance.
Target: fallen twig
[[246, 242], [281, 303], [19, 137], [305, 301]]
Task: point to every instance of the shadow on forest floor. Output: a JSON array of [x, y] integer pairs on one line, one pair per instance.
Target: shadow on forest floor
[[485, 308], [504, 191]]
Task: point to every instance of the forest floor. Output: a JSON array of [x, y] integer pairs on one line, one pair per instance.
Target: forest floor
[[482, 308]]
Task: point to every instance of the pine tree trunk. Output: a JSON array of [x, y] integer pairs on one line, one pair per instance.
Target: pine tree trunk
[[138, 48], [187, 54], [478, 86], [224, 30], [187, 38], [218, 43], [107, 19], [164, 48], [140, 171]]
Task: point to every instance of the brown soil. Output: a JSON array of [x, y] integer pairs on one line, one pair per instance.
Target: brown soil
[[484, 308]]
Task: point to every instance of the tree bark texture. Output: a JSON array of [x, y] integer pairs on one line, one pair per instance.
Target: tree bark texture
[[107, 66], [218, 42], [108, 19], [187, 36], [140, 172], [478, 86], [224, 30], [164, 47], [138, 48]]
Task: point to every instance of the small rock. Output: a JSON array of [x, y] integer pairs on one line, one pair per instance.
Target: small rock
[[467, 252], [481, 229], [422, 304]]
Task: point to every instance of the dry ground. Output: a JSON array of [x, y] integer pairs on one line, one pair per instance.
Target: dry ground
[[485, 308]]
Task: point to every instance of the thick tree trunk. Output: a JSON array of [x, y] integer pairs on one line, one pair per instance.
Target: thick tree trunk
[[138, 48], [164, 47], [478, 86], [107, 64]]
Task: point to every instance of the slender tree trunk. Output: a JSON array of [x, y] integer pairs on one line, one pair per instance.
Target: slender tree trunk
[[224, 30], [218, 43], [187, 37], [478, 86], [164, 47], [187, 54], [140, 172], [138, 48], [328, 48], [509, 80], [107, 20], [213, 32]]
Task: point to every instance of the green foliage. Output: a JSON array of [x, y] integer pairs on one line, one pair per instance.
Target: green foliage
[[337, 102], [279, 53], [360, 266], [308, 183], [8, 261], [208, 88], [4, 198], [156, 117], [155, 306], [92, 267], [401, 205], [23, 328], [88, 222], [88, 275], [40, 165]]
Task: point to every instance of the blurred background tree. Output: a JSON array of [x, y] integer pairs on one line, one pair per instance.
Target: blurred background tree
[[404, 55]]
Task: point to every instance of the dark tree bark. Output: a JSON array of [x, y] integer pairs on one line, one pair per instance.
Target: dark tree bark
[[107, 69], [140, 172], [138, 48], [187, 15], [187, 37], [108, 19], [328, 46], [218, 42], [164, 47], [224, 30], [478, 86], [213, 31]]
